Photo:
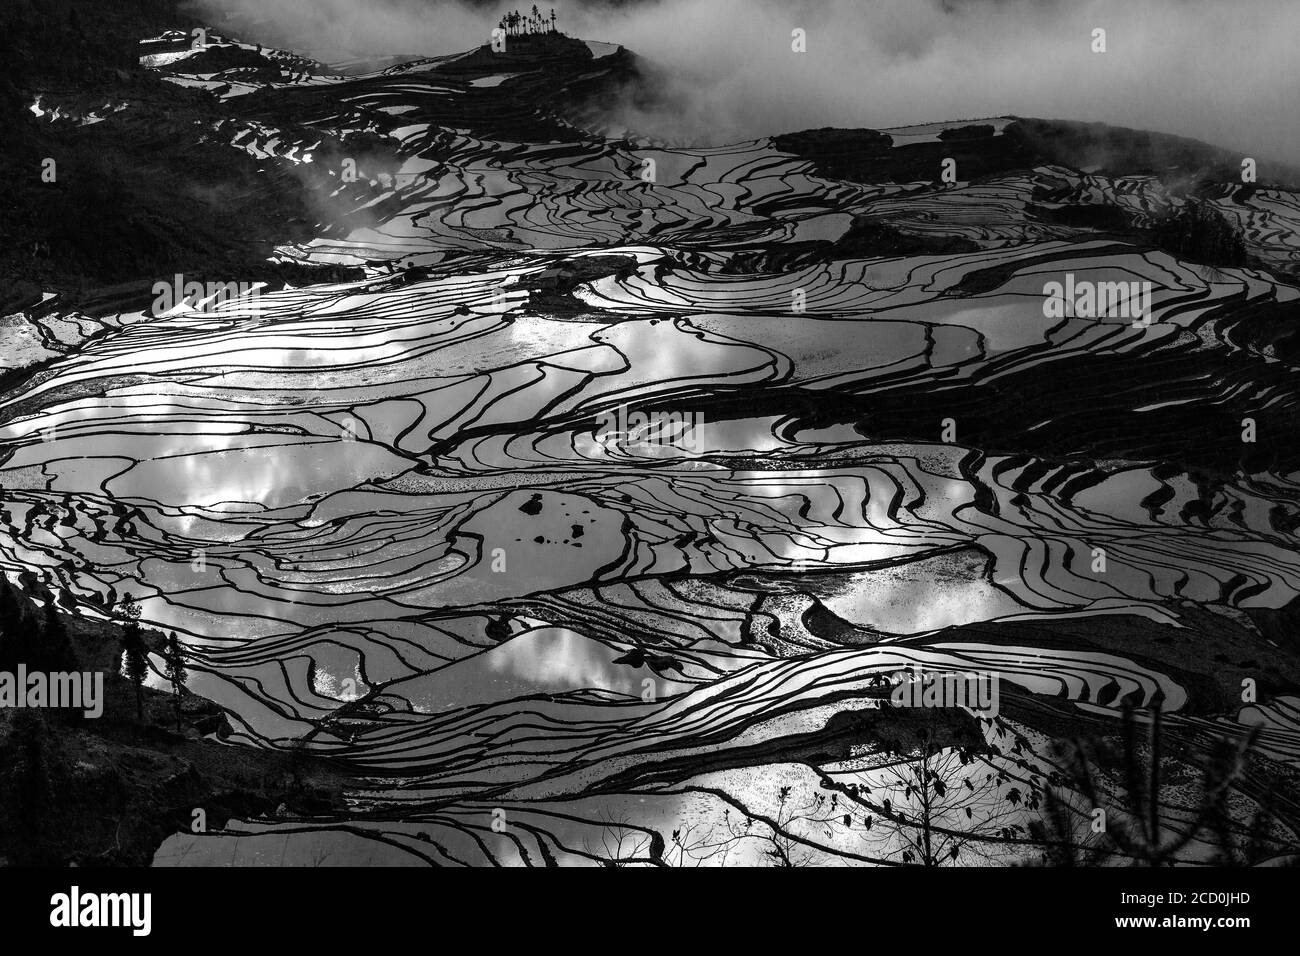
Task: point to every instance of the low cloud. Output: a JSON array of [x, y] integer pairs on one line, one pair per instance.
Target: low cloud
[[1218, 70]]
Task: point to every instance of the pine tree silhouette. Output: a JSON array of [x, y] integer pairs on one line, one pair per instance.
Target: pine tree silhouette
[[174, 670], [135, 655]]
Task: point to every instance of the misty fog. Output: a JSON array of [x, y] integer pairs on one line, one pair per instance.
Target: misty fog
[[1218, 71]]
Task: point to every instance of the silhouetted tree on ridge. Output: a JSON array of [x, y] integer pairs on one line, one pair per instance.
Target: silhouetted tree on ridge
[[175, 672], [135, 655]]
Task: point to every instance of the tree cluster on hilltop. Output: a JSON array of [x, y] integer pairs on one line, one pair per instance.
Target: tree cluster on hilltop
[[1196, 230], [528, 24]]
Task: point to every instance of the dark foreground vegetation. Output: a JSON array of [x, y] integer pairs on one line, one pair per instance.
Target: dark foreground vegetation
[[108, 791]]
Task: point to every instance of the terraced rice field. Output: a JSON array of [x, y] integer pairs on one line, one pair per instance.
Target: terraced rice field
[[390, 523]]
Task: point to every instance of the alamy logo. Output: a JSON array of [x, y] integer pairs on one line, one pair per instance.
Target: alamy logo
[[1085, 299], [975, 692], [624, 429], [76, 909], [202, 296], [82, 691]]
